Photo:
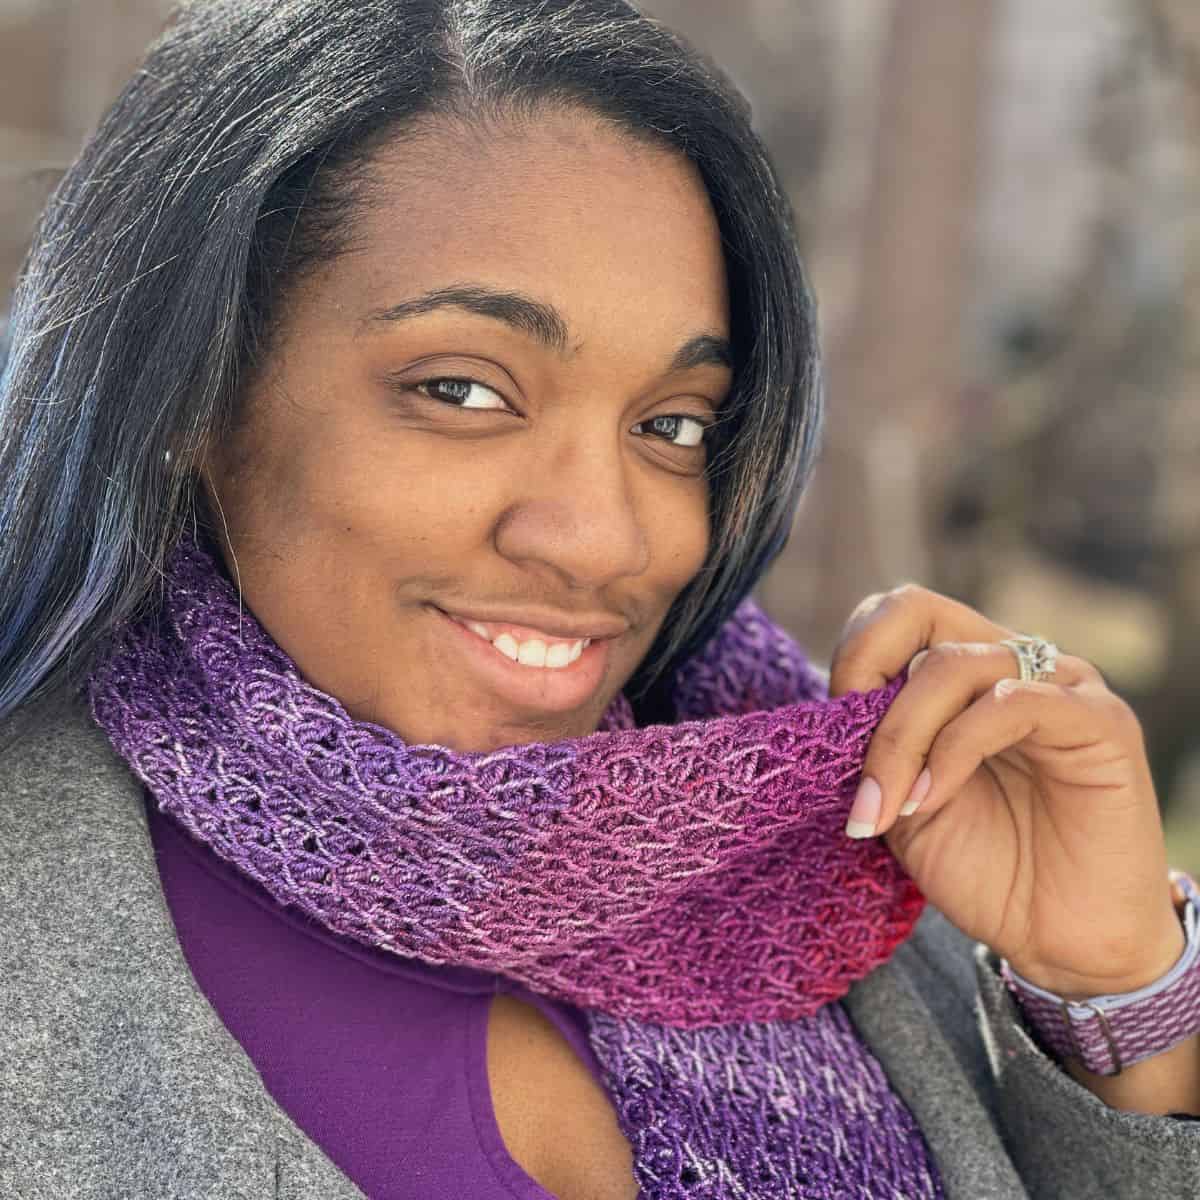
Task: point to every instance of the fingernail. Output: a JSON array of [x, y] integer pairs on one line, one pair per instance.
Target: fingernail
[[920, 790], [915, 664], [864, 816]]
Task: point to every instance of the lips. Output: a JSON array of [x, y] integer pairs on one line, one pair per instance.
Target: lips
[[536, 684]]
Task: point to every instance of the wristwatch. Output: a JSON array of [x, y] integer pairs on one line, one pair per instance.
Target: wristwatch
[[1108, 1033]]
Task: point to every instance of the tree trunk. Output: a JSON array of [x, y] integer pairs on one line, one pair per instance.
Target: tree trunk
[[893, 376]]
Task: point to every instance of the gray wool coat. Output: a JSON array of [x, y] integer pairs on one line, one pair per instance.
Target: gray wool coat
[[118, 1080]]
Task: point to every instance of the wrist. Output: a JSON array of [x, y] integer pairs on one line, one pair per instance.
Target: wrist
[[1106, 1030], [1166, 1083], [1159, 956]]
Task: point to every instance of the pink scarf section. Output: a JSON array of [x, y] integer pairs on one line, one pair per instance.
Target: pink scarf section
[[690, 874]]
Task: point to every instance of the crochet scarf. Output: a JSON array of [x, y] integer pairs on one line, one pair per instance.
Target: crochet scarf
[[689, 886]]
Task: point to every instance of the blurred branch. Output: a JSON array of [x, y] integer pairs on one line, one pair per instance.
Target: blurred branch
[[1174, 29]]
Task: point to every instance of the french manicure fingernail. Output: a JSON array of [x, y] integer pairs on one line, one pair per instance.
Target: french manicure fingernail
[[864, 815], [920, 790]]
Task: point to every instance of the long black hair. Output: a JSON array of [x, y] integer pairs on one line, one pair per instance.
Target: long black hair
[[233, 162]]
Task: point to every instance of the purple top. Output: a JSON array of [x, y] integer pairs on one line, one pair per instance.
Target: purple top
[[381, 1060]]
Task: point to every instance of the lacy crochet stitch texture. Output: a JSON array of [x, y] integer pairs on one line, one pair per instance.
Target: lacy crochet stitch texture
[[690, 886]]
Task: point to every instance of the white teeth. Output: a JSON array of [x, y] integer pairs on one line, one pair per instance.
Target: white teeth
[[507, 645], [535, 652], [532, 653]]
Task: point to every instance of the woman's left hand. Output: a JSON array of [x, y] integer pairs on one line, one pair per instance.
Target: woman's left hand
[[1040, 833]]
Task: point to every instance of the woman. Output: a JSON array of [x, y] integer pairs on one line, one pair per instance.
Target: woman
[[400, 797]]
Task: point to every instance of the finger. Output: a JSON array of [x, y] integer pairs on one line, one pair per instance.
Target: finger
[[886, 630], [1044, 720], [943, 681]]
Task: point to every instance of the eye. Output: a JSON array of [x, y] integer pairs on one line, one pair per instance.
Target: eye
[[462, 393], [677, 429]]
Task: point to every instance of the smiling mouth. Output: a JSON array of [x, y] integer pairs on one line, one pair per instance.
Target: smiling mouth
[[529, 648]]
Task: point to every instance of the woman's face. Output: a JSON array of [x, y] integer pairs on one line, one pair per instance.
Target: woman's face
[[478, 434]]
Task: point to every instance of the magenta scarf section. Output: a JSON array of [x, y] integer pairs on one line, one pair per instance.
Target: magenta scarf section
[[690, 887], [690, 874]]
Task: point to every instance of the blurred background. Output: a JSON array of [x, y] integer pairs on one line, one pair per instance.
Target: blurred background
[[999, 201]]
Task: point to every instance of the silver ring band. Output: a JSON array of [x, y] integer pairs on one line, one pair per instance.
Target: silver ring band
[[1036, 657]]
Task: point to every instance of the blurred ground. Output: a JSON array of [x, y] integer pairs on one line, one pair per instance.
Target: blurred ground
[[998, 201]]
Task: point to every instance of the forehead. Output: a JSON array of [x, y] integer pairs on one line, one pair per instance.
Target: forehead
[[610, 230]]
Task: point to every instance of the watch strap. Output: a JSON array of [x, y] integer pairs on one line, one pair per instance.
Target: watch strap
[[1111, 1032]]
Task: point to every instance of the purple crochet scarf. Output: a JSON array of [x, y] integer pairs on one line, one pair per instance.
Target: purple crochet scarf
[[689, 886]]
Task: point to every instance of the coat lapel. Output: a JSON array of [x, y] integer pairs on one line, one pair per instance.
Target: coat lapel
[[119, 1077]]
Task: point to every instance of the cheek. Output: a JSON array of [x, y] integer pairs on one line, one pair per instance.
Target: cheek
[[679, 533], [320, 480]]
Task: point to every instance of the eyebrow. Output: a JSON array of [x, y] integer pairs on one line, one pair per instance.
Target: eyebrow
[[541, 321]]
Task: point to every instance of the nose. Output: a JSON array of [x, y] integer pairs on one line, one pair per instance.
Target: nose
[[577, 517]]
